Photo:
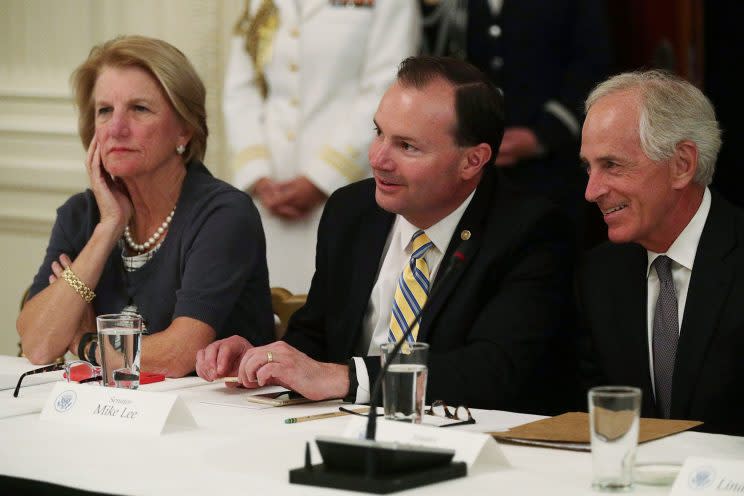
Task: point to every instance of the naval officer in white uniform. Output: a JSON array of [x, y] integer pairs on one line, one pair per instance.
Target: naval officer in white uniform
[[302, 84]]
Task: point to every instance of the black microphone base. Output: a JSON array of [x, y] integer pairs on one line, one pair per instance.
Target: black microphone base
[[320, 475], [376, 467]]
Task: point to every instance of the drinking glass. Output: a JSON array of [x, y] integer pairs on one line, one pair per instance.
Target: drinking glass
[[120, 340], [404, 385], [614, 419]]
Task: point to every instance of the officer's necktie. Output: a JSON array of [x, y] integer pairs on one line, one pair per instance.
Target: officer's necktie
[[666, 335], [411, 291]]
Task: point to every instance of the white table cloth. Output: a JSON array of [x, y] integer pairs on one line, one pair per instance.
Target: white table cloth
[[241, 449]]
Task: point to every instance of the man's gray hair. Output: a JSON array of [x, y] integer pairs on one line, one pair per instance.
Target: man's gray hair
[[672, 110]]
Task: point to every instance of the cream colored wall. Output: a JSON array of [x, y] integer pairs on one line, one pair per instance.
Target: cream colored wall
[[41, 158]]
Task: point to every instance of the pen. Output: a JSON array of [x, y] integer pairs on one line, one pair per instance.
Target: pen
[[319, 416]]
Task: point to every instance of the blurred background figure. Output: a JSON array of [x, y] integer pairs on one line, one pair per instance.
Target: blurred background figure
[[302, 84], [155, 234], [545, 55]]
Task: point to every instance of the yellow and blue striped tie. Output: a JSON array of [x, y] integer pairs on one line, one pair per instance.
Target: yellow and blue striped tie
[[411, 291]]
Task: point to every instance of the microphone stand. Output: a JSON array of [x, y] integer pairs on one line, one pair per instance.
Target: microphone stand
[[454, 262], [370, 466]]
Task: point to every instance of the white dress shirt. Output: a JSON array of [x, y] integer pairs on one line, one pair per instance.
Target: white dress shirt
[[682, 252], [395, 256]]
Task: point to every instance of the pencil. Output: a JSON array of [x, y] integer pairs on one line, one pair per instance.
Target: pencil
[[319, 416]]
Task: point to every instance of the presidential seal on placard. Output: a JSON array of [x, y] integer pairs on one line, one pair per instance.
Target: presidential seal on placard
[[65, 401], [701, 477]]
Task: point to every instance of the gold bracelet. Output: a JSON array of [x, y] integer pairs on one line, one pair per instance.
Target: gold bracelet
[[79, 286]]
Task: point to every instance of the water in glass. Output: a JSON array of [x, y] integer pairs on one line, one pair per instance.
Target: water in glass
[[120, 356], [404, 392]]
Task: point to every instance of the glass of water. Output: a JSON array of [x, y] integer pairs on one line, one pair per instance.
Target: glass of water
[[614, 420], [120, 343], [404, 385]]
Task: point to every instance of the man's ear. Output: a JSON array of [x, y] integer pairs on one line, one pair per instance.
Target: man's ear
[[476, 157], [684, 164]]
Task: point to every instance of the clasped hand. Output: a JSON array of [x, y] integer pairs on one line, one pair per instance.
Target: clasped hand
[[288, 367], [291, 199], [518, 143]]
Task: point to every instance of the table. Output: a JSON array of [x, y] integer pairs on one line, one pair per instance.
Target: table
[[242, 450]]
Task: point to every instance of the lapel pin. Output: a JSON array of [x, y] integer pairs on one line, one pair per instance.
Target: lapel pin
[[465, 235]]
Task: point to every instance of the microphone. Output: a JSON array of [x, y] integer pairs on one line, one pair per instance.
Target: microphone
[[382, 467], [453, 263]]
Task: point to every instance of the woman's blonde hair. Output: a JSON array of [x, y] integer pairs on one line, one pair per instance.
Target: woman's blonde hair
[[166, 64]]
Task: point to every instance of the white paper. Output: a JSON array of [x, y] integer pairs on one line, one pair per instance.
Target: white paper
[[236, 396], [115, 409], [22, 405], [479, 451], [700, 476], [171, 384]]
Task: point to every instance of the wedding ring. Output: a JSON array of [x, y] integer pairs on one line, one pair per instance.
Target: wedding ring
[[269, 357]]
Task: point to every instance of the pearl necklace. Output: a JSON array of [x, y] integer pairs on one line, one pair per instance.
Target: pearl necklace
[[139, 248]]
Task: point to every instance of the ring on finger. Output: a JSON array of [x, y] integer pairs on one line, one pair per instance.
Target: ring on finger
[[269, 357]]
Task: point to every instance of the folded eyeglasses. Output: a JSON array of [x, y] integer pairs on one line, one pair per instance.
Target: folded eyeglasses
[[75, 371], [438, 408], [461, 413]]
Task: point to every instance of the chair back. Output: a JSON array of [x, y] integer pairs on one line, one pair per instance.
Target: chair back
[[284, 304]]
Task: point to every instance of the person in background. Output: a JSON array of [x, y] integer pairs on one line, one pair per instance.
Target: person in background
[[302, 83], [660, 301], [155, 234], [545, 55], [494, 324]]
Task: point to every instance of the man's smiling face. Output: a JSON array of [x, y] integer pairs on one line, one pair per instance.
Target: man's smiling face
[[634, 193]]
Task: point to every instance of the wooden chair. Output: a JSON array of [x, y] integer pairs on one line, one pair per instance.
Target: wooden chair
[[284, 304]]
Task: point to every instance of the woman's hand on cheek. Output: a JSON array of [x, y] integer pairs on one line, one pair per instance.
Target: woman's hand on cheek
[[114, 205]]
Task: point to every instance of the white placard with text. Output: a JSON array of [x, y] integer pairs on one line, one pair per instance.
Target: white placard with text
[[479, 451], [115, 409], [704, 476]]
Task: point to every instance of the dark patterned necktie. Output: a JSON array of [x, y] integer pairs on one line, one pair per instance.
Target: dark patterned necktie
[[666, 335]]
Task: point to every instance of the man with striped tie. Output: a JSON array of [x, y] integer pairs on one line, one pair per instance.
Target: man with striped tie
[[493, 325]]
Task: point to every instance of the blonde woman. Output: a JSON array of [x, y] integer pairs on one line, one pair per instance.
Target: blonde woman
[[155, 234]]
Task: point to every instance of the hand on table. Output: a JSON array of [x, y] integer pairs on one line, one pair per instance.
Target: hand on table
[[280, 364], [221, 358]]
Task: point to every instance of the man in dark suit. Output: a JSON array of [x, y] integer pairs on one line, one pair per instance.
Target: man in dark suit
[[662, 301], [493, 324]]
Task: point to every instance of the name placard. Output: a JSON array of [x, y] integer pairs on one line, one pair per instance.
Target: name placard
[[704, 476], [480, 451], [115, 409]]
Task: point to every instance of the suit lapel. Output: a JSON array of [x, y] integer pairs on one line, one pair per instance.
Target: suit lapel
[[367, 253], [710, 283], [472, 221], [629, 323]]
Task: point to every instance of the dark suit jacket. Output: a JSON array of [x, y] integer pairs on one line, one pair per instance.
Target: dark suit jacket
[[493, 327], [708, 380]]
